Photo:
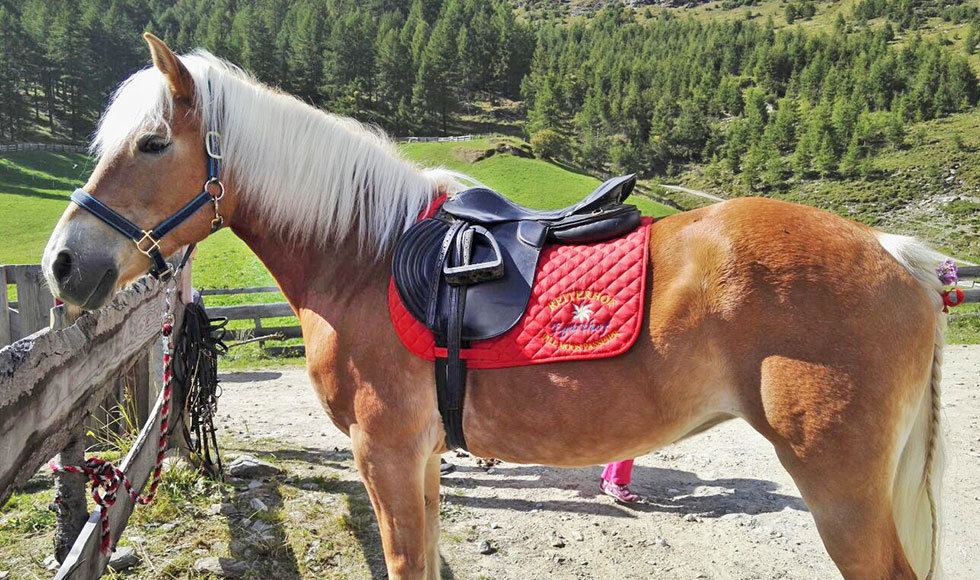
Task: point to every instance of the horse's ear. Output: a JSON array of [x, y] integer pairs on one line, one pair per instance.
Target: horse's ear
[[177, 75]]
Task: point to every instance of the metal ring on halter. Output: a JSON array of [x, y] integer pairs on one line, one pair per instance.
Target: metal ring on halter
[[221, 188], [218, 221]]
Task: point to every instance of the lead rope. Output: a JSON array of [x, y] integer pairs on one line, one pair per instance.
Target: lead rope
[[103, 474]]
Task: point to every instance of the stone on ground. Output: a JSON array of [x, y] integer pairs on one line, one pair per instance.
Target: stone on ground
[[486, 548], [221, 567], [246, 466], [123, 557], [51, 563]]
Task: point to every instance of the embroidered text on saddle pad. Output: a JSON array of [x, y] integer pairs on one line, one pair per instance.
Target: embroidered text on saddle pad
[[586, 303]]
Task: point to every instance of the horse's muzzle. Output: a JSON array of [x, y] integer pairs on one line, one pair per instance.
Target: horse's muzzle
[[87, 282]]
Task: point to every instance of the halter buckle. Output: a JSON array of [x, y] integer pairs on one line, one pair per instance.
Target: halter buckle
[[214, 151], [154, 244]]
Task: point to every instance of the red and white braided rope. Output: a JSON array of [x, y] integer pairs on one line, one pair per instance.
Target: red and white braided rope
[[104, 475]]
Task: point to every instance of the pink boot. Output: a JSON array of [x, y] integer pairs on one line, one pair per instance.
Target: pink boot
[[621, 493], [615, 479]]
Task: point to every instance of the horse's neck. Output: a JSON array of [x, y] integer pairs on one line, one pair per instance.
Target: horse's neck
[[331, 279]]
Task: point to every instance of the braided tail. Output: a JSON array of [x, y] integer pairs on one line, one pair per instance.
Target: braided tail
[[916, 497]]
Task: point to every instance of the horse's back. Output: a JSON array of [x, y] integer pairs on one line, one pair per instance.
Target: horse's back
[[775, 260]]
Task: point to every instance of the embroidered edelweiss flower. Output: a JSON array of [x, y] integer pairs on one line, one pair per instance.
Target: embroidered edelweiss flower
[[583, 312]]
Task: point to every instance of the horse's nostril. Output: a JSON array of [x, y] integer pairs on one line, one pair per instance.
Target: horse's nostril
[[62, 266]]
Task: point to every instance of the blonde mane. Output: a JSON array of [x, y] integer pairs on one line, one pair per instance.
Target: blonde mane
[[312, 175]]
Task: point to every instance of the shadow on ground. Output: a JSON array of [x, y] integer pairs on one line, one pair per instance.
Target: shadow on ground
[[248, 377], [688, 493], [665, 490]]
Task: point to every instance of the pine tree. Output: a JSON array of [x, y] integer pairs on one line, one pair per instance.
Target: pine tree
[[436, 82], [850, 163], [972, 38], [825, 158], [348, 64], [804, 153], [394, 70], [790, 13], [783, 127], [753, 165]]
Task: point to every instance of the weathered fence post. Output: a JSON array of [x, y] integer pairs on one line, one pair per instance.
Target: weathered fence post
[[69, 488], [33, 299], [6, 337], [140, 393]]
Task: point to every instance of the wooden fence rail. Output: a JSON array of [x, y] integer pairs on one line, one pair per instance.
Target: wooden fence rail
[[50, 383], [451, 138], [50, 380], [256, 313], [970, 282]]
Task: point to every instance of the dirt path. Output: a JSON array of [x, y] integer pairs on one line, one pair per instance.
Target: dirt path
[[720, 506], [708, 196]]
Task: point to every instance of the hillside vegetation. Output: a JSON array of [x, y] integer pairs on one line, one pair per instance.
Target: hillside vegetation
[[34, 189], [864, 107]]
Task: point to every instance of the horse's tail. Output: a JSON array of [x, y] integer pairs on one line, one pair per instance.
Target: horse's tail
[[918, 476]]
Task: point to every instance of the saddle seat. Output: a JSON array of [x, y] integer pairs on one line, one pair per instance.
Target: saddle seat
[[467, 272], [485, 206]]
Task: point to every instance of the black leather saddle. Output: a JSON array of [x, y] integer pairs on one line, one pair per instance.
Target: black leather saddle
[[466, 273]]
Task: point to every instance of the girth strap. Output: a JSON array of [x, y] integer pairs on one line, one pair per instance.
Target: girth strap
[[455, 264]]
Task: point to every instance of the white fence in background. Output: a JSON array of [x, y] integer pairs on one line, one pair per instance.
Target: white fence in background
[[438, 139], [50, 147]]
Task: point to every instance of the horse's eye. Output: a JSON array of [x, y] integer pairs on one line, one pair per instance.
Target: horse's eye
[[153, 144]]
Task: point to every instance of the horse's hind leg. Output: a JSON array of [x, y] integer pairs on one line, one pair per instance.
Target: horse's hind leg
[[854, 518], [840, 439]]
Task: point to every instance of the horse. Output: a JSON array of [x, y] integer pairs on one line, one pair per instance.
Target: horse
[[823, 334]]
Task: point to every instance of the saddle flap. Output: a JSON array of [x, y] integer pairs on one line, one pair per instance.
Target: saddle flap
[[494, 306]]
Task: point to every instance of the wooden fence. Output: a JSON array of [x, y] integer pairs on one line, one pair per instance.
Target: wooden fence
[[52, 380], [970, 283], [30, 312], [256, 313], [51, 147], [452, 138]]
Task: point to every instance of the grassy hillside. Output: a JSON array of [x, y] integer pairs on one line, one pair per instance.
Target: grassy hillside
[[930, 188], [34, 189]]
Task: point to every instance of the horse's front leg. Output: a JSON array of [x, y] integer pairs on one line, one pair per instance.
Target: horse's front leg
[[395, 478]]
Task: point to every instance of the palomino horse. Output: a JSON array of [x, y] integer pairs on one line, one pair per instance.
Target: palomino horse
[[821, 333]]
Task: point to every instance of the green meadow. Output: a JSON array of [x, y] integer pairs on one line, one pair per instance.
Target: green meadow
[[34, 189]]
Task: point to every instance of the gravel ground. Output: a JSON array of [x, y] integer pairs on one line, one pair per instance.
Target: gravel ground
[[718, 505]]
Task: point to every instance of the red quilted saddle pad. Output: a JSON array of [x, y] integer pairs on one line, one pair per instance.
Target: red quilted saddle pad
[[586, 303]]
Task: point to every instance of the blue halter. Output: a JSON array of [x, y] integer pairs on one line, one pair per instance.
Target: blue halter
[[148, 241]]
